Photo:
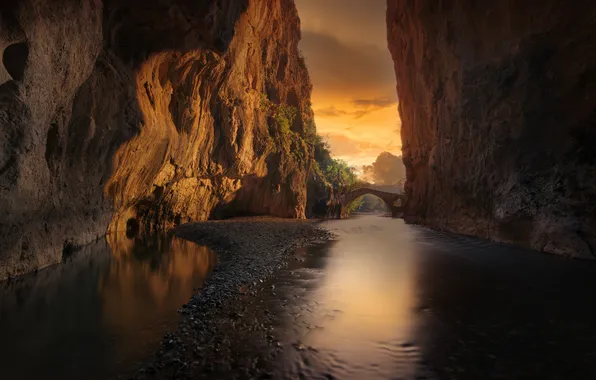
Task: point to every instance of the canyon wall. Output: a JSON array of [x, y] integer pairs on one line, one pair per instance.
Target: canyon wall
[[498, 106], [136, 114]]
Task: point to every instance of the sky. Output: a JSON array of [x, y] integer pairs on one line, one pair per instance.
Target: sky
[[354, 98]]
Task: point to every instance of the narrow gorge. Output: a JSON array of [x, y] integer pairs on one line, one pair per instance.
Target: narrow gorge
[[128, 115], [171, 209]]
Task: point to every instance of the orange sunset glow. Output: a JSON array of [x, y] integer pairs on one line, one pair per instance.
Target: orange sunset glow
[[354, 98]]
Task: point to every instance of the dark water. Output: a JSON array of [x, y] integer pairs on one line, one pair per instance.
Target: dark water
[[391, 301], [102, 312], [383, 301]]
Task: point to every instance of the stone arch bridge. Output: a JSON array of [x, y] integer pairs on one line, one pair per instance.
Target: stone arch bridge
[[391, 195]]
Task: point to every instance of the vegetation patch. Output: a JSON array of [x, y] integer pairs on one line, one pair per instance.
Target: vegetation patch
[[283, 139], [334, 173]]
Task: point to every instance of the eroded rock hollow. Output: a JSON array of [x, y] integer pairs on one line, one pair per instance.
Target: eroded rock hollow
[[498, 105], [134, 114]]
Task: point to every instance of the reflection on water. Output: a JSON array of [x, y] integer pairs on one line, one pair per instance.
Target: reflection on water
[[368, 290], [392, 301], [358, 307], [383, 301], [500, 312], [100, 313]]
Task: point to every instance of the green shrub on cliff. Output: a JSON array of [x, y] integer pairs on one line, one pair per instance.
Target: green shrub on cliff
[[282, 138], [335, 172], [341, 175], [285, 116], [264, 103], [301, 61]]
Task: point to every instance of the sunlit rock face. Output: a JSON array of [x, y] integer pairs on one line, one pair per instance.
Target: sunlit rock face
[[498, 104], [112, 111]]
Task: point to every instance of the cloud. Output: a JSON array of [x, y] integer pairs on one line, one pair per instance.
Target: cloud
[[363, 108], [343, 145], [357, 151], [374, 103], [347, 68], [353, 76], [331, 112], [354, 20], [367, 106]]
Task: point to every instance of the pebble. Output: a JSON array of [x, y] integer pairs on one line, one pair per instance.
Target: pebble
[[243, 260]]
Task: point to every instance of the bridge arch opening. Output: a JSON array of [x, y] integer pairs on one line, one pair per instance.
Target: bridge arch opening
[[369, 204], [391, 197]]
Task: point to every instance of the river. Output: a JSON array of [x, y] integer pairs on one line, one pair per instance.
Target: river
[[384, 300], [102, 312]]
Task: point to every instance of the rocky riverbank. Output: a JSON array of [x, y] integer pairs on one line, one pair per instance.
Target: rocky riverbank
[[250, 250]]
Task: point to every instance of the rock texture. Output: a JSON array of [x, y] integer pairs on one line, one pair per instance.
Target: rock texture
[[141, 114], [498, 104]]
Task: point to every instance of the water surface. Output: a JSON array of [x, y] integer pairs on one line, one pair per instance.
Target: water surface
[[384, 300], [387, 300], [102, 312]]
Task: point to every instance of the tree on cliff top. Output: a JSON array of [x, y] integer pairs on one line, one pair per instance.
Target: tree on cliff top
[[388, 169], [367, 174], [337, 173]]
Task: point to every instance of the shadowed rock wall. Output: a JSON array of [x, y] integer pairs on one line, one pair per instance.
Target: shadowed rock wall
[[144, 114], [498, 105]]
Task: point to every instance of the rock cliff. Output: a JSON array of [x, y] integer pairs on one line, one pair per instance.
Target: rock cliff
[[139, 114], [498, 105]]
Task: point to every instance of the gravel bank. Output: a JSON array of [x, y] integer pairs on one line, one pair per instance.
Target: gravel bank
[[250, 250]]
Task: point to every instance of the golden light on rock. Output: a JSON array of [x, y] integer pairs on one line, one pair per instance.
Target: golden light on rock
[[145, 277]]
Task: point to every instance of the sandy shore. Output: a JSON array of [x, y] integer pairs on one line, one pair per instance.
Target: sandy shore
[[250, 250]]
